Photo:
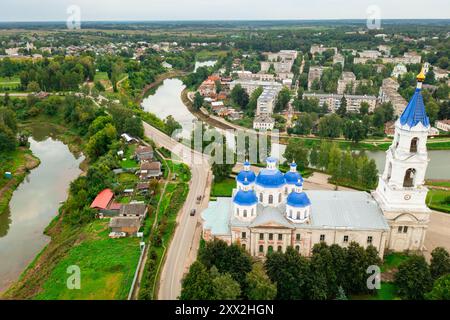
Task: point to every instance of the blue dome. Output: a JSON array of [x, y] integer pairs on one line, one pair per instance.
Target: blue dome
[[249, 175], [270, 178], [298, 200], [245, 198], [293, 177]]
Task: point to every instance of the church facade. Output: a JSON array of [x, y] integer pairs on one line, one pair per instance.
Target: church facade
[[270, 211]]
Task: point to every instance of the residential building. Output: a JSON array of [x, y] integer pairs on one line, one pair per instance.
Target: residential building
[[263, 122], [440, 73], [348, 79], [321, 49], [128, 225], [144, 153], [339, 58], [389, 93], [208, 87], [399, 70], [136, 209], [252, 85], [150, 170], [315, 73], [443, 125], [266, 102], [333, 101]]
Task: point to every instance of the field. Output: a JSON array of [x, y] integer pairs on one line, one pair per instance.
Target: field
[[9, 83], [439, 200], [101, 76], [223, 188], [106, 265]]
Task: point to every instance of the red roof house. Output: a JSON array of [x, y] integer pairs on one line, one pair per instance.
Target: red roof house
[[103, 199]]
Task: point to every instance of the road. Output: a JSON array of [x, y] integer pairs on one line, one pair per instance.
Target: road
[[185, 242]]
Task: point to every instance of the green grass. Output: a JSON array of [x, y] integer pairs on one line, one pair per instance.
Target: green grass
[[445, 184], [223, 188], [107, 267], [393, 260], [388, 291], [205, 55], [99, 76], [439, 200], [9, 83]]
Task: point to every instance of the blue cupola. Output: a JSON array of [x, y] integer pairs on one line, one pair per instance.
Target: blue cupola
[[293, 176], [415, 112], [245, 197], [298, 199], [270, 177], [246, 174]]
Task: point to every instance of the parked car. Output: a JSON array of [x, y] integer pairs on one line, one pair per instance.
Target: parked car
[[199, 199], [193, 211]]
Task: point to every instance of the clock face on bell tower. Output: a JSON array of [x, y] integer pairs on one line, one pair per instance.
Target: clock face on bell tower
[[407, 197]]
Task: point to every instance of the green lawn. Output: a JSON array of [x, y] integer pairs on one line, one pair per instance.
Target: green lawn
[[128, 180], [129, 163], [99, 76], [438, 183], [223, 188], [9, 83], [392, 261], [107, 267], [388, 291], [439, 200]]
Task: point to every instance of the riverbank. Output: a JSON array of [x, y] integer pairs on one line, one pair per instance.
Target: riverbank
[[158, 81], [19, 162]]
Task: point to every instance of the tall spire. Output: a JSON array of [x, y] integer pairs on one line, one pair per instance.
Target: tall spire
[[415, 110]]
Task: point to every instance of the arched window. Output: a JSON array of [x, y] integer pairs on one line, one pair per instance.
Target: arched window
[[298, 215], [297, 248], [243, 246], [261, 197], [408, 182], [270, 249], [279, 249], [270, 199], [414, 144], [252, 211], [237, 211], [261, 249], [290, 213], [286, 190], [245, 213], [279, 198]]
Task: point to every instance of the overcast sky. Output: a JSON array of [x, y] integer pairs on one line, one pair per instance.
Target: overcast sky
[[56, 10]]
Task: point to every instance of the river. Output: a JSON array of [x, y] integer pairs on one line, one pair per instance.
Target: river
[[34, 204], [167, 101]]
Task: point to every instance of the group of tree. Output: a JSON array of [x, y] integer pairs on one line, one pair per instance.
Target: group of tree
[[344, 166], [8, 129], [418, 280], [224, 272]]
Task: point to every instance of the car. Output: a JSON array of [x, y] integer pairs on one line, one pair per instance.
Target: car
[[199, 199], [193, 211]]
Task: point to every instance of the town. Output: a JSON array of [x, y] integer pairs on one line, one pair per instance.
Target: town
[[99, 125]]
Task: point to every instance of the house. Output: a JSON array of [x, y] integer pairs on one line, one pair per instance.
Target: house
[[150, 170], [134, 209], [443, 125], [128, 139], [389, 128], [399, 70], [143, 187], [144, 153], [208, 87], [129, 225], [105, 205], [263, 122]]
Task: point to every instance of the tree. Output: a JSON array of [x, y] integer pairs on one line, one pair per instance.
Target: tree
[[341, 294], [297, 151], [342, 110], [231, 259], [354, 130], [218, 85], [197, 285], [364, 109], [304, 124], [99, 143], [413, 278], [239, 96], [330, 126], [225, 287], [334, 162], [253, 102], [314, 156], [283, 99], [198, 101], [290, 271], [259, 286], [440, 262], [432, 109], [441, 289], [221, 171], [369, 173], [33, 86], [171, 124]]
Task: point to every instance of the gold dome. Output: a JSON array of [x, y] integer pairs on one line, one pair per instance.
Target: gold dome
[[421, 76]]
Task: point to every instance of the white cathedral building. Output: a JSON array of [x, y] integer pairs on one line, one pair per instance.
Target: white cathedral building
[[271, 211]]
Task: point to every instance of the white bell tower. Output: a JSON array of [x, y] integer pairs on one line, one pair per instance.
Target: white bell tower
[[401, 192]]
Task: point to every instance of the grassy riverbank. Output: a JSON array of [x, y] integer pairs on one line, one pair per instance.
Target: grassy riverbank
[[19, 163]]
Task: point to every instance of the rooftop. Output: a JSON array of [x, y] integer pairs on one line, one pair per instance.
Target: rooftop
[[103, 199]]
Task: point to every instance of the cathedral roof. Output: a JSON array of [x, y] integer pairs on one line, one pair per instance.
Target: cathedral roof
[[293, 177], [270, 178], [245, 198], [298, 200]]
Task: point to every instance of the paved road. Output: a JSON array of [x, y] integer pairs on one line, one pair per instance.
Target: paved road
[[438, 234], [185, 241]]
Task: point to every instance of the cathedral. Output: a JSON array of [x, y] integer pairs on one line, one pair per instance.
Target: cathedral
[[271, 211]]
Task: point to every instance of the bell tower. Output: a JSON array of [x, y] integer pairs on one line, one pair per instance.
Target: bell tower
[[401, 192]]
